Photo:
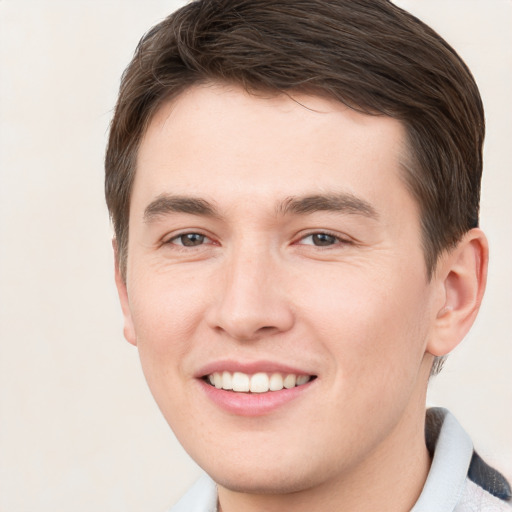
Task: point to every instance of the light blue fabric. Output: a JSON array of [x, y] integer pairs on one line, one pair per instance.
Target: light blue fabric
[[447, 476]]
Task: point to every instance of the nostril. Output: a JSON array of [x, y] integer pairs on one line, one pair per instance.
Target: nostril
[[267, 328]]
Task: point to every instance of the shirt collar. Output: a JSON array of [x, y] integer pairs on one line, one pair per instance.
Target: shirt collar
[[450, 462]]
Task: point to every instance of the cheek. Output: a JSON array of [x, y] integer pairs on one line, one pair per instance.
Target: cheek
[[371, 324], [165, 317], [166, 313]]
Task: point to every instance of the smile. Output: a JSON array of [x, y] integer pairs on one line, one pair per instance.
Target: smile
[[257, 383]]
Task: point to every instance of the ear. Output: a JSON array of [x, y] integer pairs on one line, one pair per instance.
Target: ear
[[129, 331], [461, 277]]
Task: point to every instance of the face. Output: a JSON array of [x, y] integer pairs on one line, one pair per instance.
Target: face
[[276, 285]]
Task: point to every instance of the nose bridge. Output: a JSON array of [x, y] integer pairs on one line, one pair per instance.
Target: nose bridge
[[251, 300]]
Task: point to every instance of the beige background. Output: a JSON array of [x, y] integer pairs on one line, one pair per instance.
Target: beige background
[[78, 428]]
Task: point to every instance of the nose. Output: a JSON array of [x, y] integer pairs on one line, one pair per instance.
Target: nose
[[251, 301]]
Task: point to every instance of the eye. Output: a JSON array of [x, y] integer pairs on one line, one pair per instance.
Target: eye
[[189, 239], [321, 240]]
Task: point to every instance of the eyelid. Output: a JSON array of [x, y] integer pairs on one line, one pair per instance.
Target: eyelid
[[341, 239], [169, 238]]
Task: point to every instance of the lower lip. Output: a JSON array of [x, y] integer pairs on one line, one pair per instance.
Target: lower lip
[[252, 404]]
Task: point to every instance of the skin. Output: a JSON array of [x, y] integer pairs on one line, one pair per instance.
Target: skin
[[357, 312]]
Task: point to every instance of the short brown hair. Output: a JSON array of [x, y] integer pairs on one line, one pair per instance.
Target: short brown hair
[[368, 54]]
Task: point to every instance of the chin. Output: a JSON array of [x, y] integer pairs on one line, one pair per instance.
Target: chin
[[269, 483], [279, 475]]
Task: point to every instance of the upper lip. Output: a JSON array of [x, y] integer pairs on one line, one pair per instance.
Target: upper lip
[[249, 367]]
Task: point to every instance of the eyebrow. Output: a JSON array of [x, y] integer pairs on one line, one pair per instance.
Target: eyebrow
[[165, 204], [337, 202], [344, 202]]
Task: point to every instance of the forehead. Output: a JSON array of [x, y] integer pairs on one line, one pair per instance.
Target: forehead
[[216, 140]]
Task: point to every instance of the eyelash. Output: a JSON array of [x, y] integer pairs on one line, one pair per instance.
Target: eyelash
[[172, 241], [336, 239]]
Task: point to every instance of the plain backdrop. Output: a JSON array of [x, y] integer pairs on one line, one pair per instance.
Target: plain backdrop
[[78, 428]]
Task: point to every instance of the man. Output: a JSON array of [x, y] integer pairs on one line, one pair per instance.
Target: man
[[294, 187]]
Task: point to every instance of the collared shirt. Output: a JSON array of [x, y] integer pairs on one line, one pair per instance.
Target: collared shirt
[[458, 480]]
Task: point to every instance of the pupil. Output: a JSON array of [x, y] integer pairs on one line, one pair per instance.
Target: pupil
[[323, 239], [192, 239]]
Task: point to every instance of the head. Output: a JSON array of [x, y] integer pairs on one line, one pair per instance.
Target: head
[[367, 64]]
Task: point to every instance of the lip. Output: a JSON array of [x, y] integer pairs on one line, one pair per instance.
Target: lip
[[249, 367], [251, 404]]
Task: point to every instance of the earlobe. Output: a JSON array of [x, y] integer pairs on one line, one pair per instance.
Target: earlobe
[[128, 330], [461, 277]]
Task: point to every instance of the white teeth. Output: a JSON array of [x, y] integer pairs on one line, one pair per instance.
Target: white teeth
[[240, 382], [227, 380], [217, 380], [290, 381], [276, 382], [258, 383]]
